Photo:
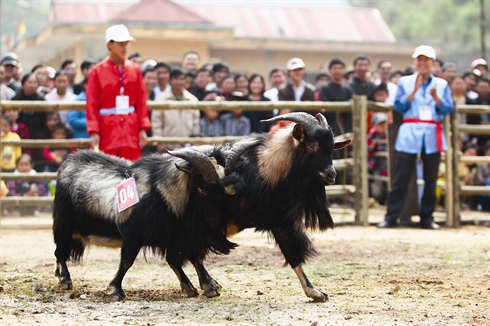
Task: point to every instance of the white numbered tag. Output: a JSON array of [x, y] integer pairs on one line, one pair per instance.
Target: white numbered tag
[[127, 194], [425, 113], [122, 103]]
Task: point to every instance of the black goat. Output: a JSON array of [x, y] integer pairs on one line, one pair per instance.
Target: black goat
[[178, 215], [280, 188]]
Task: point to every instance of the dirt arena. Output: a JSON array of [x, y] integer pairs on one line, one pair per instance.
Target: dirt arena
[[404, 276]]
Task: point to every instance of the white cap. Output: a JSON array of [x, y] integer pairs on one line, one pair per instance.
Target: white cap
[[295, 63], [150, 63], [478, 62], [426, 51], [378, 118], [118, 33]]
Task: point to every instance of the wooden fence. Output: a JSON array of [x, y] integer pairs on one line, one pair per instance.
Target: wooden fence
[[359, 107]]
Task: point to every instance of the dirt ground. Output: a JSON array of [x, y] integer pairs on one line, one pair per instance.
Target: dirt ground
[[403, 276]]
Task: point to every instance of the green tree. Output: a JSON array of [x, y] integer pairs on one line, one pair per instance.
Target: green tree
[[453, 24], [34, 13]]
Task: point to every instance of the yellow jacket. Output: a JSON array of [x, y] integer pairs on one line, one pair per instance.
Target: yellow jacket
[[10, 154]]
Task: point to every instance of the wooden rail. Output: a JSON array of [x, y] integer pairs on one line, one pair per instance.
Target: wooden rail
[[184, 105], [358, 106]]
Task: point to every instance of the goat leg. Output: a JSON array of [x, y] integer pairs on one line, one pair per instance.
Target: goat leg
[[296, 248], [128, 255], [310, 290], [63, 275], [185, 283], [207, 283]]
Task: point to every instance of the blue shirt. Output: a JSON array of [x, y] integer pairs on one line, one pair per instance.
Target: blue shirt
[[78, 120], [414, 138]]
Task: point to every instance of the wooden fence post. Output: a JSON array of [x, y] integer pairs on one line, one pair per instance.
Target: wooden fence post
[[360, 175], [449, 176], [456, 186]]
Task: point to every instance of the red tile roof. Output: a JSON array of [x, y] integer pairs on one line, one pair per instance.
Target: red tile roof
[[87, 13], [329, 24], [159, 11], [145, 11]]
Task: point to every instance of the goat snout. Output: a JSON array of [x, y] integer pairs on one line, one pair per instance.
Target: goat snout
[[328, 176]]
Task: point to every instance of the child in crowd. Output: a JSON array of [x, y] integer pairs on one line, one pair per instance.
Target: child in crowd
[[464, 173], [52, 118], [380, 96], [18, 127], [10, 154], [56, 156], [210, 125], [480, 176], [235, 123], [377, 166], [23, 188]]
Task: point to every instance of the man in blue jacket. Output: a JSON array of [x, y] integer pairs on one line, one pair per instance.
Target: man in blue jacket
[[423, 100]]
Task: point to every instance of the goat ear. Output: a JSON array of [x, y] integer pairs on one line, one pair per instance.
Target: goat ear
[[183, 169], [298, 133], [341, 144]]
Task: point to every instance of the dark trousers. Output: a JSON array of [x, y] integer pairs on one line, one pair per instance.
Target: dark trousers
[[404, 167]]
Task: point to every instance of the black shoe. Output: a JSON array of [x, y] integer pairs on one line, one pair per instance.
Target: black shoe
[[430, 226], [387, 225]]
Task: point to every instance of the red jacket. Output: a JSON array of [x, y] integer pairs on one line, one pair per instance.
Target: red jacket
[[102, 88]]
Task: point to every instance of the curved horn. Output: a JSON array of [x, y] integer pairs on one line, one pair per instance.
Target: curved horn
[[200, 161], [323, 121], [236, 151], [305, 120]]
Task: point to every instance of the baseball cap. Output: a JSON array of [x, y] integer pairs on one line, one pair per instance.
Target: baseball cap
[[118, 33], [51, 72], [150, 63], [478, 62], [295, 63], [426, 51], [378, 118], [10, 58]]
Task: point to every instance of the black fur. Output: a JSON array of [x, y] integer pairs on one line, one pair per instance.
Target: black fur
[[151, 223], [296, 203]]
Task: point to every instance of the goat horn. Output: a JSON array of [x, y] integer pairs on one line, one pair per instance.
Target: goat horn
[[305, 120], [236, 151], [323, 121], [200, 161]]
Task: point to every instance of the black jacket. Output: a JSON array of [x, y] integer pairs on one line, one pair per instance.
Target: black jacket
[[286, 93]]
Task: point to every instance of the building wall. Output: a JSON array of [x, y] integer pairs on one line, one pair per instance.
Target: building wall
[[170, 51]]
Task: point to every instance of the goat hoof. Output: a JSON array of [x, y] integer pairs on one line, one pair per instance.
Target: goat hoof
[[214, 283], [190, 291], [211, 292], [117, 294], [66, 285], [317, 295]]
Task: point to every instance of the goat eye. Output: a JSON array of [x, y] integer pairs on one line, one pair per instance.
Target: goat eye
[[201, 191], [311, 148]]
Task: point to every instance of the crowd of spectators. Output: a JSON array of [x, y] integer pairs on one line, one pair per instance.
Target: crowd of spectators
[[191, 81]]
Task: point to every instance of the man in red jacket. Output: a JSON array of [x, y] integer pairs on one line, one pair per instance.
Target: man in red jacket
[[117, 113]]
